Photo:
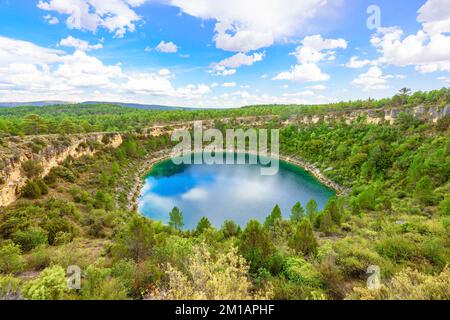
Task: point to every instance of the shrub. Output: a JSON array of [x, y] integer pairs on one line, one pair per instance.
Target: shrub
[[222, 277], [397, 248], [31, 190], [51, 285], [202, 225], [30, 238], [56, 225], [98, 285], [303, 241], [354, 257], [32, 168], [136, 241], [11, 260], [445, 207], [39, 258], [409, 285], [302, 272], [230, 229], [9, 288], [256, 245]]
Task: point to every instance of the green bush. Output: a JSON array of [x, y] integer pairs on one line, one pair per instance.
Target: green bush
[[397, 248], [30, 238], [31, 190], [9, 288], [39, 258], [32, 168], [56, 225], [303, 241], [51, 285], [300, 271], [11, 260], [230, 229]]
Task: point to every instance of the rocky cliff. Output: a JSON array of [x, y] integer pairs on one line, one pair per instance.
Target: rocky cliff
[[49, 152]]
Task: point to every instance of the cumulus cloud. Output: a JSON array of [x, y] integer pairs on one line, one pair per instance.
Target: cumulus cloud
[[117, 16], [166, 47], [229, 84], [79, 44], [51, 20], [228, 66], [374, 79], [243, 26], [356, 63], [312, 50], [31, 72], [428, 50]]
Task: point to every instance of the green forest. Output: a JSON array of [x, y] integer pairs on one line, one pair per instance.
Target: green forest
[[395, 214]]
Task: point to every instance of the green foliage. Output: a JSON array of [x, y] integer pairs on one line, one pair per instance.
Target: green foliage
[[230, 229], [9, 288], [202, 225], [32, 168], [56, 226], [424, 190], [445, 207], [311, 209], [297, 212], [176, 219], [11, 260], [303, 240], [273, 218], [255, 245], [98, 285], [136, 241], [30, 238], [51, 285], [302, 272]]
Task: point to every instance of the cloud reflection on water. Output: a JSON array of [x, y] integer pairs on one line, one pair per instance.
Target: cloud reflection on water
[[227, 192]]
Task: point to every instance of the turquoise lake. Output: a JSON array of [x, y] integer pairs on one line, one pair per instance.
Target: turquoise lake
[[226, 192]]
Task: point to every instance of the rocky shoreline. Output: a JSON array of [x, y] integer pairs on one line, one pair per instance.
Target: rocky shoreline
[[162, 155]]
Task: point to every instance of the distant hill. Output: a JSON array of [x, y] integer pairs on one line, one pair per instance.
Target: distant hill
[[138, 106], [126, 105], [31, 104]]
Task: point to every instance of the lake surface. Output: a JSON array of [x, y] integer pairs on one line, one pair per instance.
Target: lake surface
[[226, 192]]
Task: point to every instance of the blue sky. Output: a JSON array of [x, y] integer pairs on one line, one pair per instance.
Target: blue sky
[[201, 53]]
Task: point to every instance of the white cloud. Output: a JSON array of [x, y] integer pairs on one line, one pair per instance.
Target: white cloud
[[355, 63], [317, 87], [117, 16], [313, 50], [309, 72], [372, 80], [51, 20], [30, 72], [228, 66], [164, 72], [428, 50], [299, 94], [79, 44], [243, 26], [444, 79], [166, 47], [229, 84]]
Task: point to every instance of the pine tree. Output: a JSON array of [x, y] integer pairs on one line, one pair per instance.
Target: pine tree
[[297, 212], [304, 241], [176, 219], [276, 215], [311, 209]]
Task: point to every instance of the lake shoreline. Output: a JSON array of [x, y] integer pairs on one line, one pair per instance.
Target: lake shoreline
[[163, 155]]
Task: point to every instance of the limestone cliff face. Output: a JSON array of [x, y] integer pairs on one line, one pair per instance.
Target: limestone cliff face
[[12, 177]]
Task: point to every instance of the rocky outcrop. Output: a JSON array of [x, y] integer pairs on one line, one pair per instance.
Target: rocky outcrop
[[12, 175]]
